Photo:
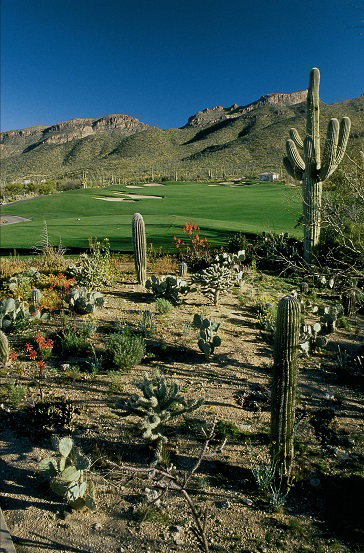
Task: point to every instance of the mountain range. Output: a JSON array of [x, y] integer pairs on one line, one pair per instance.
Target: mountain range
[[238, 140]]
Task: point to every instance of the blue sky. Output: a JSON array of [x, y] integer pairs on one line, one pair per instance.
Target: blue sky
[[163, 60]]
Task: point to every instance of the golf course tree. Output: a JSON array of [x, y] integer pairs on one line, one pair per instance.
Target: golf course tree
[[311, 169]]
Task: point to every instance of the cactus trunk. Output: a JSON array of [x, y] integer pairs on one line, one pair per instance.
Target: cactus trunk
[[310, 168], [4, 348], [284, 384], [140, 247]]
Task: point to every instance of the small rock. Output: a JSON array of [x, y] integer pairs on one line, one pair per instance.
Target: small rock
[[222, 504], [65, 366], [97, 526], [121, 550], [247, 501]]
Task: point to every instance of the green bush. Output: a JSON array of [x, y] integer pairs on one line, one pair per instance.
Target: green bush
[[163, 306], [76, 340], [125, 350]]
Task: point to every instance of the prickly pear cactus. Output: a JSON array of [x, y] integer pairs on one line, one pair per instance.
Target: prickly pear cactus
[[140, 247], [4, 348], [67, 475], [284, 384], [310, 169], [207, 341]]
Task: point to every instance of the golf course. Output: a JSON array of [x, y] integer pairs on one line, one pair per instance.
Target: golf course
[[220, 211]]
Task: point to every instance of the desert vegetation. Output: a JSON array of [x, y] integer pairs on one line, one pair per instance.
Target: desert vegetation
[[203, 391], [166, 396]]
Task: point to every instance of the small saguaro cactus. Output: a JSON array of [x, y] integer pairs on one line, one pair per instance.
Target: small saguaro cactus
[[4, 348], [284, 384], [310, 169], [140, 247]]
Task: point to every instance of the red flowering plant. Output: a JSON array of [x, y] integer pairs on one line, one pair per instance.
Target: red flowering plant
[[55, 289], [44, 346], [194, 249]]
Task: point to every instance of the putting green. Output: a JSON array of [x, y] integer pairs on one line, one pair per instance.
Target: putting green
[[220, 211]]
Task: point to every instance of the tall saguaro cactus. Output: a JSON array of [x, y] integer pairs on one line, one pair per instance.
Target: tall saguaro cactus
[[284, 384], [140, 247], [310, 168]]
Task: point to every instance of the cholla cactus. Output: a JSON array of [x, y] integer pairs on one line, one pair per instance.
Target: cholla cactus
[[159, 403], [214, 280], [207, 341], [309, 168], [67, 475], [4, 348]]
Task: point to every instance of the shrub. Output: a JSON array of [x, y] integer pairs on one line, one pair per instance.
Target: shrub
[[163, 306], [125, 350]]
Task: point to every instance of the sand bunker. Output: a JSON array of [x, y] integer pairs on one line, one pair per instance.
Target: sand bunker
[[11, 219], [138, 196], [132, 186], [115, 199]]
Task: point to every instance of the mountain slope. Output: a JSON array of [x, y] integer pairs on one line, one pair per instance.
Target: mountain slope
[[236, 140]]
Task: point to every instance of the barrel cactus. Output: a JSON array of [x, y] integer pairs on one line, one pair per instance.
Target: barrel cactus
[[182, 269], [140, 247], [284, 384], [4, 348], [310, 169], [35, 296]]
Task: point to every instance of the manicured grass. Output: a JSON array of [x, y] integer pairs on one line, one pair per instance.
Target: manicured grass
[[220, 211]]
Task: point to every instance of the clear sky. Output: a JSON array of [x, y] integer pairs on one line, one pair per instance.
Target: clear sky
[[163, 60]]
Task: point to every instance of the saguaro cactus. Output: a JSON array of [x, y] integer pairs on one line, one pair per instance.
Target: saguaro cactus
[[140, 247], [286, 347], [4, 348], [309, 168]]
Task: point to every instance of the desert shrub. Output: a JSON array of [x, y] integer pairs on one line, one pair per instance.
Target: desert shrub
[[163, 306], [14, 393], [76, 339], [125, 350]]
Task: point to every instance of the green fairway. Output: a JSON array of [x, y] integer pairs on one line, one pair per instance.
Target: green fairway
[[76, 215]]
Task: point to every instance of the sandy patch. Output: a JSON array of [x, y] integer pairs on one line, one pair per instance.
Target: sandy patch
[[115, 199], [132, 186], [138, 196], [11, 219], [213, 185]]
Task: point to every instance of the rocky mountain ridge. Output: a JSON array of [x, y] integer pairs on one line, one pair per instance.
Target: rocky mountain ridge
[[218, 113], [239, 140]]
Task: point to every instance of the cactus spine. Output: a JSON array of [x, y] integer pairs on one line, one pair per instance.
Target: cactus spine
[[309, 168], [140, 247], [4, 348], [284, 384]]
